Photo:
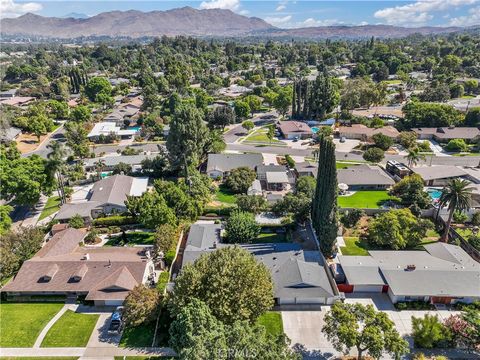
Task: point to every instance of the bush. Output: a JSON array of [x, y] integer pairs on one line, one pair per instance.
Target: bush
[[217, 211], [429, 332], [114, 220], [459, 217], [350, 218], [169, 257], [241, 228], [374, 154], [163, 281], [457, 145], [76, 222], [290, 162], [476, 218]]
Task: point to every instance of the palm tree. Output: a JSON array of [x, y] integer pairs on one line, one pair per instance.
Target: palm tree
[[414, 156], [56, 164], [456, 195], [99, 166]]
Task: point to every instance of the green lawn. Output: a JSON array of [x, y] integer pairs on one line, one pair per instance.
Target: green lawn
[[464, 232], [354, 246], [133, 238], [273, 322], [71, 330], [344, 165], [21, 324], [225, 195], [271, 238], [141, 357], [140, 336], [37, 358], [52, 206], [260, 136], [364, 199], [468, 97]]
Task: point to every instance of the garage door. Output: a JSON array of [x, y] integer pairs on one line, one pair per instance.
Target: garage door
[[368, 288], [284, 301], [113, 302], [311, 301]]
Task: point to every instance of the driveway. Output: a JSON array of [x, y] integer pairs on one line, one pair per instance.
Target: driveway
[[100, 336], [346, 146]]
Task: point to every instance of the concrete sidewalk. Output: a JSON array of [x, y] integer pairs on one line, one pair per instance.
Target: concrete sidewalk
[[47, 327], [103, 353]]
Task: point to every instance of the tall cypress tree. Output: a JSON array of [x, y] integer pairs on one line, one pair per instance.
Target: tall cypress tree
[[324, 207]]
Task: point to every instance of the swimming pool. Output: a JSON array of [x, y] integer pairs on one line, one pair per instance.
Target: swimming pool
[[434, 193], [315, 129], [135, 128]]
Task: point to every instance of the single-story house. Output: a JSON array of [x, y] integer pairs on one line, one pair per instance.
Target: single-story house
[[294, 129], [111, 161], [263, 169], [306, 169], [445, 134], [299, 276], [438, 175], [364, 133], [255, 188], [110, 128], [443, 273], [107, 196], [8, 93], [365, 177], [220, 165], [9, 134], [16, 100], [104, 275]]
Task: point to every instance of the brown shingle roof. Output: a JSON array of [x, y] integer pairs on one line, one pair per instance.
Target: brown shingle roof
[[63, 242], [289, 127]]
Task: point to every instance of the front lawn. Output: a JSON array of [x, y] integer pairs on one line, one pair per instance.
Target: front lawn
[[51, 207], [273, 323], [260, 136], [354, 246], [271, 238], [225, 195], [365, 199], [140, 336], [133, 238], [344, 165], [21, 324], [71, 330]]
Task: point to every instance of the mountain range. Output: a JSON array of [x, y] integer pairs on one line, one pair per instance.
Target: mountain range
[[187, 21]]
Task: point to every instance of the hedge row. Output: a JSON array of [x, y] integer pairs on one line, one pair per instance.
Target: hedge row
[[114, 221]]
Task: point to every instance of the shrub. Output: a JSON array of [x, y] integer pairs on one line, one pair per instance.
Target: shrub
[[476, 218], [76, 222], [241, 228], [290, 162], [350, 218], [457, 145], [459, 217], [169, 257], [429, 332], [163, 281], [114, 220], [374, 154]]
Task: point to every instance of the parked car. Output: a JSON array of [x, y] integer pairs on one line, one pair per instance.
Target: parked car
[[295, 139], [116, 321], [342, 139]]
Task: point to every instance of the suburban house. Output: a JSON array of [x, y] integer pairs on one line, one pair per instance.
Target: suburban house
[[9, 134], [8, 93], [255, 188], [364, 177], [306, 169], [294, 129], [299, 276], [438, 175], [107, 196], [442, 274], [110, 128], [364, 133], [397, 169], [16, 100], [220, 165], [445, 134], [111, 161], [274, 177], [64, 267]]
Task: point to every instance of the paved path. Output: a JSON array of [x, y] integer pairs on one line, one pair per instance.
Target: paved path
[[100, 336], [103, 353], [47, 327]]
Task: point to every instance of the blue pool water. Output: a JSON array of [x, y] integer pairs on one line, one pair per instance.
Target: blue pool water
[[315, 129], [434, 193], [136, 128]]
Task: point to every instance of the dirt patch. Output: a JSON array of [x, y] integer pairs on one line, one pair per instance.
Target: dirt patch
[[28, 142]]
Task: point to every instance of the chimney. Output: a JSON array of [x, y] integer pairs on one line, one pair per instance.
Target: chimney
[[411, 267], [86, 257]]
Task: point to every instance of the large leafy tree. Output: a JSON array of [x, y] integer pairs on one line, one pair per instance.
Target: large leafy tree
[[77, 140], [419, 114], [141, 305], [220, 117], [241, 179], [151, 209], [362, 327], [230, 282], [187, 137], [428, 332], [410, 192], [5, 220], [56, 166], [324, 207], [456, 196], [97, 85], [241, 228]]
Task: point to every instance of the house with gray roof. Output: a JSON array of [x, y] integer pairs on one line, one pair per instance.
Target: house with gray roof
[[10, 134], [438, 175], [220, 165], [364, 177], [299, 276], [107, 196], [443, 273], [445, 134], [306, 168], [111, 161]]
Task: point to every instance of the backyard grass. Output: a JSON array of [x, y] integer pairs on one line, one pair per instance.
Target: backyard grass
[[21, 324], [71, 330], [51, 207], [273, 323], [140, 336], [364, 199], [344, 165], [260, 136], [271, 238], [225, 195], [354, 246], [133, 238]]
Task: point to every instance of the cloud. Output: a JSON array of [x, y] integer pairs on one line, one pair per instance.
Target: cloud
[[278, 20], [233, 5], [473, 18], [311, 22], [419, 12], [280, 8], [11, 9]]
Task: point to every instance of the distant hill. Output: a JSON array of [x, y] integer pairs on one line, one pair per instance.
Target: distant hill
[[187, 21], [75, 15]]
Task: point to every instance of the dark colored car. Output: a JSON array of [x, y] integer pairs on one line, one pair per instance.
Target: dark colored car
[[116, 323]]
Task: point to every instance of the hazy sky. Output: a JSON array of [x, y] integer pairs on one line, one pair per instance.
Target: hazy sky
[[298, 13]]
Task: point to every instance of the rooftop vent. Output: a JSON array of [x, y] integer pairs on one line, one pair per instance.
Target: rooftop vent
[[86, 257], [411, 267], [50, 273]]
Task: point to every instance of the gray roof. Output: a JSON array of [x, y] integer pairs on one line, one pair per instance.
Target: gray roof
[[307, 168], [439, 172], [112, 190], [84, 209], [9, 134], [364, 175], [441, 270], [263, 169], [228, 162], [450, 132], [295, 273], [115, 160], [277, 177]]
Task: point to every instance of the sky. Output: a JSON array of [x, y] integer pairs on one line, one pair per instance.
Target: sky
[[280, 13]]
